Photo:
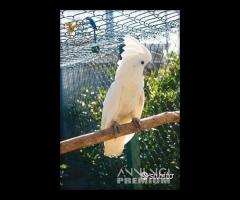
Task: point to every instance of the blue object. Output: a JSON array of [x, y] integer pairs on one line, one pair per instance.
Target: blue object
[[93, 24]]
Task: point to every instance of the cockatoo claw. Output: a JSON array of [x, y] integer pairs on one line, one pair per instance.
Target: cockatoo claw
[[116, 129], [136, 123]]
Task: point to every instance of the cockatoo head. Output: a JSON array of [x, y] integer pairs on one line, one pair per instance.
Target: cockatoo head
[[136, 57]]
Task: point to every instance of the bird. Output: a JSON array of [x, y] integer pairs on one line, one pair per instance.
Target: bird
[[125, 98]]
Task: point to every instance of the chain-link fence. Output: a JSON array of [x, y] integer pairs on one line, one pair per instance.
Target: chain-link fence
[[91, 44]]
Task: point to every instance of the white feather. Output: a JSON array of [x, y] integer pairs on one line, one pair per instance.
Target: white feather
[[125, 97]]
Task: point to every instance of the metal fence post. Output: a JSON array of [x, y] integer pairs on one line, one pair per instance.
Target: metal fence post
[[133, 159], [109, 23]]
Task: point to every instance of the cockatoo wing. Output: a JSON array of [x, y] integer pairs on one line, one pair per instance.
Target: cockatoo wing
[[111, 105], [138, 112], [113, 147]]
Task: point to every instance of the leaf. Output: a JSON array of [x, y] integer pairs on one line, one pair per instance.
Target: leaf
[[63, 166]]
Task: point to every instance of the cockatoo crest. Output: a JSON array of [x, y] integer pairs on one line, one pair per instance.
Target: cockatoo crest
[[133, 56], [134, 48]]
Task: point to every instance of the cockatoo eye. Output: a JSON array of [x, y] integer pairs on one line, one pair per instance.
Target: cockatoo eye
[[142, 62]]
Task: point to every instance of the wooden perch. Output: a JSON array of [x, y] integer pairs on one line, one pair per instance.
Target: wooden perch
[[125, 129]]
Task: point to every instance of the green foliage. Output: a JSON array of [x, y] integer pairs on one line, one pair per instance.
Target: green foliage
[[159, 147], [63, 167]]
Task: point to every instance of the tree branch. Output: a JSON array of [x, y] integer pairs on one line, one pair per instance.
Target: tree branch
[[125, 129]]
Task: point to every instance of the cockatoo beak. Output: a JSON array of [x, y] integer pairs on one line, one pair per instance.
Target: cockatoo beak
[[148, 68]]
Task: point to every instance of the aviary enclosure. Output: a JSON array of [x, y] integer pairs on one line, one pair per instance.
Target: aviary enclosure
[[91, 43]]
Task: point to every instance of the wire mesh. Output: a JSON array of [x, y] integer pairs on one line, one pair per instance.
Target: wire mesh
[[77, 34], [91, 43]]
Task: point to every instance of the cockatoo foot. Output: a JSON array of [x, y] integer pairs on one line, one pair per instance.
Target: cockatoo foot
[[136, 123], [116, 129]]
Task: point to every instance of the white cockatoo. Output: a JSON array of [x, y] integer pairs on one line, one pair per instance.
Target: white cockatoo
[[125, 98]]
